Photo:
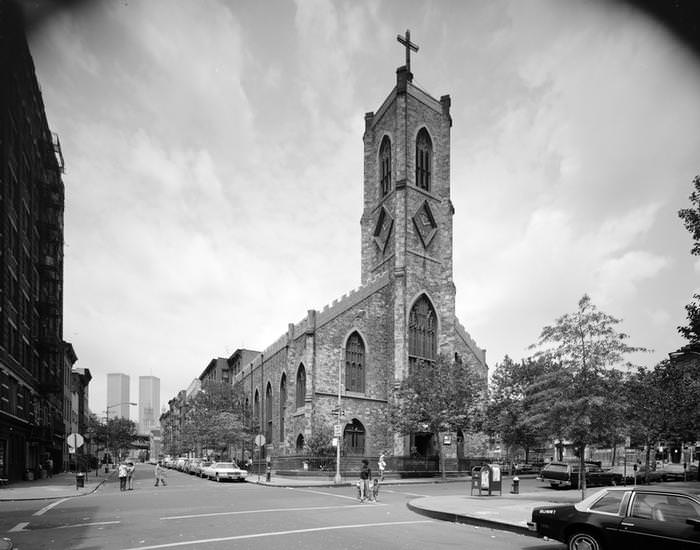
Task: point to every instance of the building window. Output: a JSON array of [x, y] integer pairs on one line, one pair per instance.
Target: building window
[[354, 438], [355, 363], [300, 443], [301, 386], [424, 157], [422, 331], [283, 405], [256, 411], [385, 166], [268, 413]]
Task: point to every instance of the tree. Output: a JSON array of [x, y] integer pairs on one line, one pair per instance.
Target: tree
[[512, 404], [117, 435], [438, 396], [584, 344], [691, 220]]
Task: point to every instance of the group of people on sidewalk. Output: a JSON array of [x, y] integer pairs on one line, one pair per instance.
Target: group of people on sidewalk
[[368, 488]]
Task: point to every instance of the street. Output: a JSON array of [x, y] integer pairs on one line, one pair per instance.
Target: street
[[199, 514]]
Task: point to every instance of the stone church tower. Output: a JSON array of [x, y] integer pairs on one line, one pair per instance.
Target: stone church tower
[[362, 344]]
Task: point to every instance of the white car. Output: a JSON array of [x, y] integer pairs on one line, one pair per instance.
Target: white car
[[220, 471]]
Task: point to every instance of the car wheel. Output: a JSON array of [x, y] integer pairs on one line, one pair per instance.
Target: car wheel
[[583, 541]]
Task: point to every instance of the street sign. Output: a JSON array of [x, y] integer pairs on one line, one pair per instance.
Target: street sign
[[75, 440], [337, 430], [260, 440]]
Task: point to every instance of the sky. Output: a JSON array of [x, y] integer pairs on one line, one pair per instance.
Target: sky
[[214, 168]]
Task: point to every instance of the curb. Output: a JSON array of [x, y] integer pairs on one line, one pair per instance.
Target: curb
[[350, 483], [55, 497], [470, 520]]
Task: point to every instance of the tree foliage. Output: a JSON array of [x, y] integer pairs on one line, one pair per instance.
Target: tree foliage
[[436, 397], [216, 419], [513, 408], [691, 220], [583, 345], [116, 434]]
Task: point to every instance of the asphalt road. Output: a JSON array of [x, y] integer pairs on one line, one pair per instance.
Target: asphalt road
[[192, 513]]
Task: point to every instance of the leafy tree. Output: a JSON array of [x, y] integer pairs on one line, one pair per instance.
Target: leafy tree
[[584, 344], [319, 442], [649, 407], [438, 396], [512, 404], [116, 434], [691, 220]]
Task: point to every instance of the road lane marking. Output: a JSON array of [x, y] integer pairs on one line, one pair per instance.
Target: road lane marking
[[85, 524], [280, 533], [49, 506], [323, 493], [305, 509], [19, 527]]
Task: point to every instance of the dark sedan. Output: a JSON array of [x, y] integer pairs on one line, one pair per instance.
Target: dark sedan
[[640, 518]]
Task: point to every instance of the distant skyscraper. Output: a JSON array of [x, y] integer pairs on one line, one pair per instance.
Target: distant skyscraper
[[149, 403], [118, 395]]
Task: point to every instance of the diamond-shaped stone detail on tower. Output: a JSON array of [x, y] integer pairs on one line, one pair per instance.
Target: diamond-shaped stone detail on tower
[[383, 229], [425, 224]]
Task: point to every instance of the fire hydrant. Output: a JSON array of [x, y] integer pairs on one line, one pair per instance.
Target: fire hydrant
[[516, 486]]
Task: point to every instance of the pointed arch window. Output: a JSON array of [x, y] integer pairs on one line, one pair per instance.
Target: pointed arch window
[[385, 166], [355, 363], [300, 443], [283, 404], [354, 438], [301, 387], [422, 331], [424, 158], [256, 411], [268, 413]]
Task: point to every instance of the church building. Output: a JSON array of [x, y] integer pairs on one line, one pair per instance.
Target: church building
[[363, 344]]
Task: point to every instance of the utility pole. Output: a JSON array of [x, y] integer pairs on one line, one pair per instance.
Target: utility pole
[[337, 426]]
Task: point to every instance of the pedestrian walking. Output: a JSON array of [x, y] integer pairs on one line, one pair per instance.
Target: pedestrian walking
[[382, 466], [365, 477], [130, 475], [375, 489], [122, 476], [160, 474], [49, 467]]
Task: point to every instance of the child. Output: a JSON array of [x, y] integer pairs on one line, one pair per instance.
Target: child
[[375, 489]]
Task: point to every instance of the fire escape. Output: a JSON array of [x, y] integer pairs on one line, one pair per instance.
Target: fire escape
[[49, 341]]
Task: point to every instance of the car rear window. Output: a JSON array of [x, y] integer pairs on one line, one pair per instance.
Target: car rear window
[[557, 467], [609, 503]]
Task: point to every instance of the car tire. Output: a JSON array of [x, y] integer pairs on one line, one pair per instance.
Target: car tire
[[583, 540]]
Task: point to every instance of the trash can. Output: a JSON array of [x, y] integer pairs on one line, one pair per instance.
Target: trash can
[[516, 485], [79, 481]]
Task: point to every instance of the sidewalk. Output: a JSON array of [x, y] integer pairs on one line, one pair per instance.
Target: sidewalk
[[61, 485], [508, 512]]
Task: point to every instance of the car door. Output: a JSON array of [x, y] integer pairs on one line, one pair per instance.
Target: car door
[[659, 520]]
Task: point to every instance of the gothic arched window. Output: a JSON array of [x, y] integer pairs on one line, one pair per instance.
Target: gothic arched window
[[300, 443], [283, 404], [256, 411], [355, 363], [424, 157], [301, 386], [354, 438], [268, 413], [422, 331], [385, 166]]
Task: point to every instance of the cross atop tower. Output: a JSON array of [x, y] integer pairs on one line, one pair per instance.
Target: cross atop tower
[[406, 41]]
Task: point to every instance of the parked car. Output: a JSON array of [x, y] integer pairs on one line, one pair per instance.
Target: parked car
[[628, 475], [565, 474], [220, 471], [191, 465], [643, 518], [520, 468], [199, 467]]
